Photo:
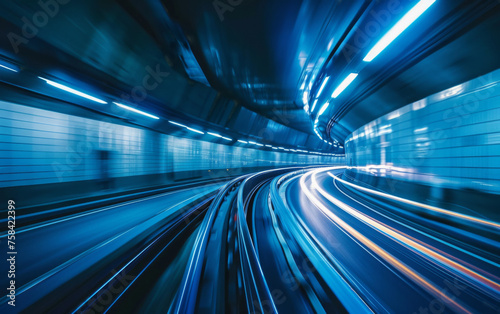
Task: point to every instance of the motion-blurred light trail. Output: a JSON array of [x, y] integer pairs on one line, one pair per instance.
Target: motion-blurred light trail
[[450, 213], [72, 91]]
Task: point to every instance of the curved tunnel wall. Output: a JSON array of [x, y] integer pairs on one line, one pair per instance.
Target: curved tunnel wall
[[448, 140], [50, 155]]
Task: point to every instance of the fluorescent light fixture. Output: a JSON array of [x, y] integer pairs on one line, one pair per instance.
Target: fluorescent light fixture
[[348, 80], [242, 142], [226, 138], [214, 134], [178, 124], [325, 106], [73, 91], [268, 145], [314, 105], [398, 28], [274, 147], [322, 86], [317, 133], [251, 142], [136, 111], [258, 144], [421, 130], [280, 148], [195, 130], [8, 68]]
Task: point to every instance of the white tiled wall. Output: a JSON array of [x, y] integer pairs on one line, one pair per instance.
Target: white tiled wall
[[448, 139], [39, 146]]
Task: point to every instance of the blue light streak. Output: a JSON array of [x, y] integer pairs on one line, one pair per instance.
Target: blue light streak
[[136, 111], [398, 28], [178, 124], [322, 86], [345, 83], [73, 91]]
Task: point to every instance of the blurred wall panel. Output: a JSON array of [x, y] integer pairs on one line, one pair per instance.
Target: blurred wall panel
[[59, 155], [449, 140]]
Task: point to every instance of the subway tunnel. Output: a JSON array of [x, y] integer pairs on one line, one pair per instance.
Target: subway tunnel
[[247, 156]]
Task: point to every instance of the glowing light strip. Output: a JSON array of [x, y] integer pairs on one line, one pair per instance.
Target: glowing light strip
[[195, 130], [409, 242], [178, 124], [314, 105], [398, 28], [422, 233], [136, 111], [409, 272], [214, 134], [323, 109], [73, 91], [322, 86], [346, 82], [425, 206], [7, 68]]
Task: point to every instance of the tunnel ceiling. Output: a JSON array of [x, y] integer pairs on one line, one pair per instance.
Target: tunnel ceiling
[[108, 48], [268, 56], [259, 51], [274, 55]]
